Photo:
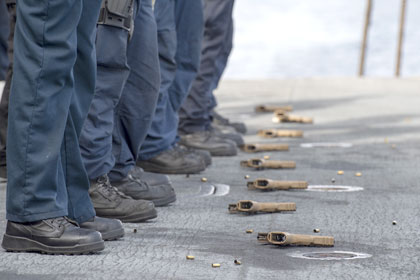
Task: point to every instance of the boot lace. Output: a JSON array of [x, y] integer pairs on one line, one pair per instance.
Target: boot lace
[[105, 187], [62, 222]]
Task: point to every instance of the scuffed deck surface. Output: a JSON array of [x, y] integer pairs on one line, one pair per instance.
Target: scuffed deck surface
[[362, 112]]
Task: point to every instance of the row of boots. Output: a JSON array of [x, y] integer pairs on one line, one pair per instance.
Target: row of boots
[[193, 152], [131, 200]]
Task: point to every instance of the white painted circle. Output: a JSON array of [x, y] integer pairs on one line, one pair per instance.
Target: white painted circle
[[333, 188], [329, 255], [326, 145], [214, 190], [221, 189]]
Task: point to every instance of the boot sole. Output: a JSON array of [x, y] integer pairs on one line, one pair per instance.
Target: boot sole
[[150, 167], [164, 201], [158, 201], [237, 141], [21, 244], [140, 218], [133, 218], [218, 152], [222, 152], [207, 160], [113, 235]]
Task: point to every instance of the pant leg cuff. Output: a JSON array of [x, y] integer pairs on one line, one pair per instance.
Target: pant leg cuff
[[88, 214], [120, 171], [35, 217], [149, 155]]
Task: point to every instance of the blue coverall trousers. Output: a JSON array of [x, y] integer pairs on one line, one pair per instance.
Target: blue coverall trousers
[[196, 112], [4, 103], [125, 98], [53, 84], [180, 32]]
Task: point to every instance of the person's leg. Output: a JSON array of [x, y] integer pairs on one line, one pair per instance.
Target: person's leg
[[112, 73], [194, 114], [134, 113], [84, 72], [179, 52], [45, 114], [96, 137], [84, 63], [4, 33], [158, 139], [221, 62], [189, 28], [42, 90], [4, 104]]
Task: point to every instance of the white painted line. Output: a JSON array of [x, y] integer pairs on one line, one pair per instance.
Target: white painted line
[[326, 145], [214, 190], [341, 255], [221, 189], [333, 188], [206, 190]]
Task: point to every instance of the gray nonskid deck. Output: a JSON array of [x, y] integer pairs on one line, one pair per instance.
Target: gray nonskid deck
[[372, 114]]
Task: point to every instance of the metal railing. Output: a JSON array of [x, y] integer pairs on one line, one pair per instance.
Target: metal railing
[[400, 39]]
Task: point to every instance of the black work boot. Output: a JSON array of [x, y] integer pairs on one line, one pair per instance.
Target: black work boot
[[220, 120], [110, 229], [51, 236], [226, 133], [152, 179], [111, 203], [205, 140], [173, 161], [3, 173], [203, 154], [133, 186], [3, 167]]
